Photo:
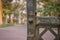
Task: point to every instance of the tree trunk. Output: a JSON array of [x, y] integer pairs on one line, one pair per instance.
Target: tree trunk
[[9, 18], [0, 12], [6, 19], [20, 18], [12, 15]]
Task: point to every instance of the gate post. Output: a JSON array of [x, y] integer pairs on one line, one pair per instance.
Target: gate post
[[59, 27], [31, 9]]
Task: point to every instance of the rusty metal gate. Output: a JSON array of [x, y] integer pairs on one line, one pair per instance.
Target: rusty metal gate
[[41, 28]]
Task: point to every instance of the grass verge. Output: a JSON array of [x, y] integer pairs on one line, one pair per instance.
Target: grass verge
[[6, 25]]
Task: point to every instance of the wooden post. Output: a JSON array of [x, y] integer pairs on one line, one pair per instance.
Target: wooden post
[[0, 12], [31, 9], [59, 26]]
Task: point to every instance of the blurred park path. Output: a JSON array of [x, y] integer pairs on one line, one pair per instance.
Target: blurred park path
[[14, 33]]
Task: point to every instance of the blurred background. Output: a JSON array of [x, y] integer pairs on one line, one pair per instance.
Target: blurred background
[[15, 11]]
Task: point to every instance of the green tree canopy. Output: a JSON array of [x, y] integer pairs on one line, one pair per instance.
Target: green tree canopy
[[6, 3], [6, 7]]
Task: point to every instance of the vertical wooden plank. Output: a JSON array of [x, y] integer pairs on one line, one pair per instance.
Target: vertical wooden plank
[[0, 12]]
